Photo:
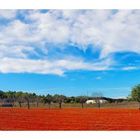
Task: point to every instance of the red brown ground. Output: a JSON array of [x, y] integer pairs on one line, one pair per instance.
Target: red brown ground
[[69, 119]]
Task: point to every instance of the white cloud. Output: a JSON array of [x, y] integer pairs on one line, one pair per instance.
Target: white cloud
[[107, 30], [15, 51], [110, 32], [7, 14], [129, 68], [58, 67]]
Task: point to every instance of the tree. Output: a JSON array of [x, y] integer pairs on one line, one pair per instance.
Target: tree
[[19, 98], [59, 99], [97, 97], [2, 94], [82, 100], [10, 96], [135, 94], [129, 98], [37, 101], [26, 96], [34, 98], [48, 99]]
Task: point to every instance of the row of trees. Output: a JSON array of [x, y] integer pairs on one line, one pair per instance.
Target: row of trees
[[25, 97], [28, 98]]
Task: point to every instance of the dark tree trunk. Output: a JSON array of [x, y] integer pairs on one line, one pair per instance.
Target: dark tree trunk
[[60, 105], [49, 105], [82, 105], [37, 104], [20, 104], [28, 104], [139, 105], [99, 105]]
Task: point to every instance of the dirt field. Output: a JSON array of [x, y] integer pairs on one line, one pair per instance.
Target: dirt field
[[69, 119]]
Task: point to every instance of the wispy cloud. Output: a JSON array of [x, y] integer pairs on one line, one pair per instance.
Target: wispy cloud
[[28, 33], [47, 66], [130, 68]]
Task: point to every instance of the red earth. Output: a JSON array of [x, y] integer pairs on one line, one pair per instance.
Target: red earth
[[69, 119]]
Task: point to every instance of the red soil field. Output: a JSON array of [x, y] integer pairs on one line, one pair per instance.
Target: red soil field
[[69, 119]]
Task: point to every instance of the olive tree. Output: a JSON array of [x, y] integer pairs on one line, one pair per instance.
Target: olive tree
[[19, 98], [82, 100], [59, 99], [37, 99], [27, 97], [97, 97], [48, 99], [135, 94]]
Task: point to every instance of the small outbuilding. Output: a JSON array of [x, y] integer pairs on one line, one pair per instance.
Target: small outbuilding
[[94, 101]]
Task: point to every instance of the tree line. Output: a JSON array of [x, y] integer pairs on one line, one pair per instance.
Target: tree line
[[21, 98], [26, 97]]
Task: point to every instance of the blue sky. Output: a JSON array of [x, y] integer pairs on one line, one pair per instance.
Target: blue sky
[[70, 52]]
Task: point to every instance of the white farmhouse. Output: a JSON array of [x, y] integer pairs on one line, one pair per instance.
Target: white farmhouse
[[102, 101], [90, 102], [95, 101]]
